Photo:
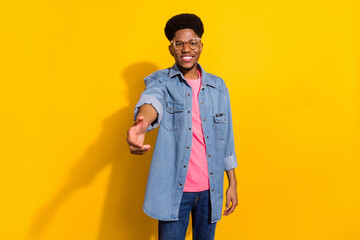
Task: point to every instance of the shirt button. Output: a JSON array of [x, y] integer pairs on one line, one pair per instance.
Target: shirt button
[[190, 129], [187, 147], [188, 94], [211, 173], [207, 137], [188, 111], [201, 102], [209, 155], [184, 166], [212, 190], [204, 119], [180, 184]]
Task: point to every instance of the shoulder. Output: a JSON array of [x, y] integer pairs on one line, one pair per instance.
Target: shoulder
[[217, 81], [214, 77], [158, 73], [158, 76]]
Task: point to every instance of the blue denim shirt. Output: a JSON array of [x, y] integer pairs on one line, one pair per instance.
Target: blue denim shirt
[[169, 93]]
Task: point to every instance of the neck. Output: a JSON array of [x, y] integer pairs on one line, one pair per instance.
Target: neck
[[190, 73]]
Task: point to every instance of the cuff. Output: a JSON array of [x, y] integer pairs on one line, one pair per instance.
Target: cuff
[[230, 162]]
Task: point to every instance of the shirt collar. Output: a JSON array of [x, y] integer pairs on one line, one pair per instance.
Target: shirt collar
[[206, 79]]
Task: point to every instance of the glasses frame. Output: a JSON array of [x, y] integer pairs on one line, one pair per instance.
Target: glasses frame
[[183, 44]]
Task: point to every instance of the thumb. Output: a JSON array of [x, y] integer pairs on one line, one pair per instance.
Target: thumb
[[140, 124], [227, 205], [140, 120]]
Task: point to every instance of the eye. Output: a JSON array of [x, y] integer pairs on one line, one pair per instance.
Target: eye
[[193, 42], [178, 44]]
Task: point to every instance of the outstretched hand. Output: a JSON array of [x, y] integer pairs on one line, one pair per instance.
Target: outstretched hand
[[136, 136]]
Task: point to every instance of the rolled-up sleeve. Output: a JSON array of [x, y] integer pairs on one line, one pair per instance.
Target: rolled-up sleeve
[[230, 156], [153, 95]]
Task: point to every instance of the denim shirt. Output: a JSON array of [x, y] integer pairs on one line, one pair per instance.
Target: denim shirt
[[169, 93]]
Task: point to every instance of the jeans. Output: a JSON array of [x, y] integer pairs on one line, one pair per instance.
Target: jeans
[[198, 203]]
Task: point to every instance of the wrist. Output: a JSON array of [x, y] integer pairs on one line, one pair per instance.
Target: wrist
[[233, 184]]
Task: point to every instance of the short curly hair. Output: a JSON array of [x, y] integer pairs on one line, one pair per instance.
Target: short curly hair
[[182, 21]]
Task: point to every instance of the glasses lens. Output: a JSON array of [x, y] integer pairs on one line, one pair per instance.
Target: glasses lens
[[178, 45], [194, 43]]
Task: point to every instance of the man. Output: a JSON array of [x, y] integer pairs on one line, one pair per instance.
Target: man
[[195, 142]]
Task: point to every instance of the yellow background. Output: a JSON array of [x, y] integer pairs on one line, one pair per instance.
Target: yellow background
[[71, 73]]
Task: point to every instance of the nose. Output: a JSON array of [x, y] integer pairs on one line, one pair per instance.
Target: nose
[[186, 47]]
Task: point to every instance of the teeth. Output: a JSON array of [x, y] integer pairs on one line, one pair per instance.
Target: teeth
[[187, 58]]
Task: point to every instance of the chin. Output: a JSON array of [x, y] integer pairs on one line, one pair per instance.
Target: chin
[[187, 67]]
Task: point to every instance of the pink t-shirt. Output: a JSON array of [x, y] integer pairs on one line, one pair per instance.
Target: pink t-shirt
[[197, 178]]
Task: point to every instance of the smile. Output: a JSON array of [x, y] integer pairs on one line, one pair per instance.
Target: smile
[[187, 58]]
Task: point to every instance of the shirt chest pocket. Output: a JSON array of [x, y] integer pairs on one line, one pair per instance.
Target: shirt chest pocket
[[173, 116], [219, 122]]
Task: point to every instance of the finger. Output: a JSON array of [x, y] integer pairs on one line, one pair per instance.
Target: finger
[[227, 212], [139, 150], [146, 147], [227, 205], [133, 144], [231, 209]]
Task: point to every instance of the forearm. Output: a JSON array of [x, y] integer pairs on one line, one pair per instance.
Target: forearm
[[231, 177], [148, 112]]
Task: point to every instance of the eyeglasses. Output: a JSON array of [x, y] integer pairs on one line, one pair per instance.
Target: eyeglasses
[[192, 42]]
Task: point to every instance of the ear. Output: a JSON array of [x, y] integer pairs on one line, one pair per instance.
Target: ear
[[170, 50]]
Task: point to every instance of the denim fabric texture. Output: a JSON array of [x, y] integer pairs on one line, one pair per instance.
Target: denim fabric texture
[[169, 93], [198, 203]]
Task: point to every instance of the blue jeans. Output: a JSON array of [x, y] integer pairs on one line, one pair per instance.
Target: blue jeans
[[198, 203]]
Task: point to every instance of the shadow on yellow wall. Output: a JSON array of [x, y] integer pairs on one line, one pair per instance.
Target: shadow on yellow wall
[[122, 216]]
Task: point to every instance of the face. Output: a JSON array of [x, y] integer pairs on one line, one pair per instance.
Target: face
[[186, 58]]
